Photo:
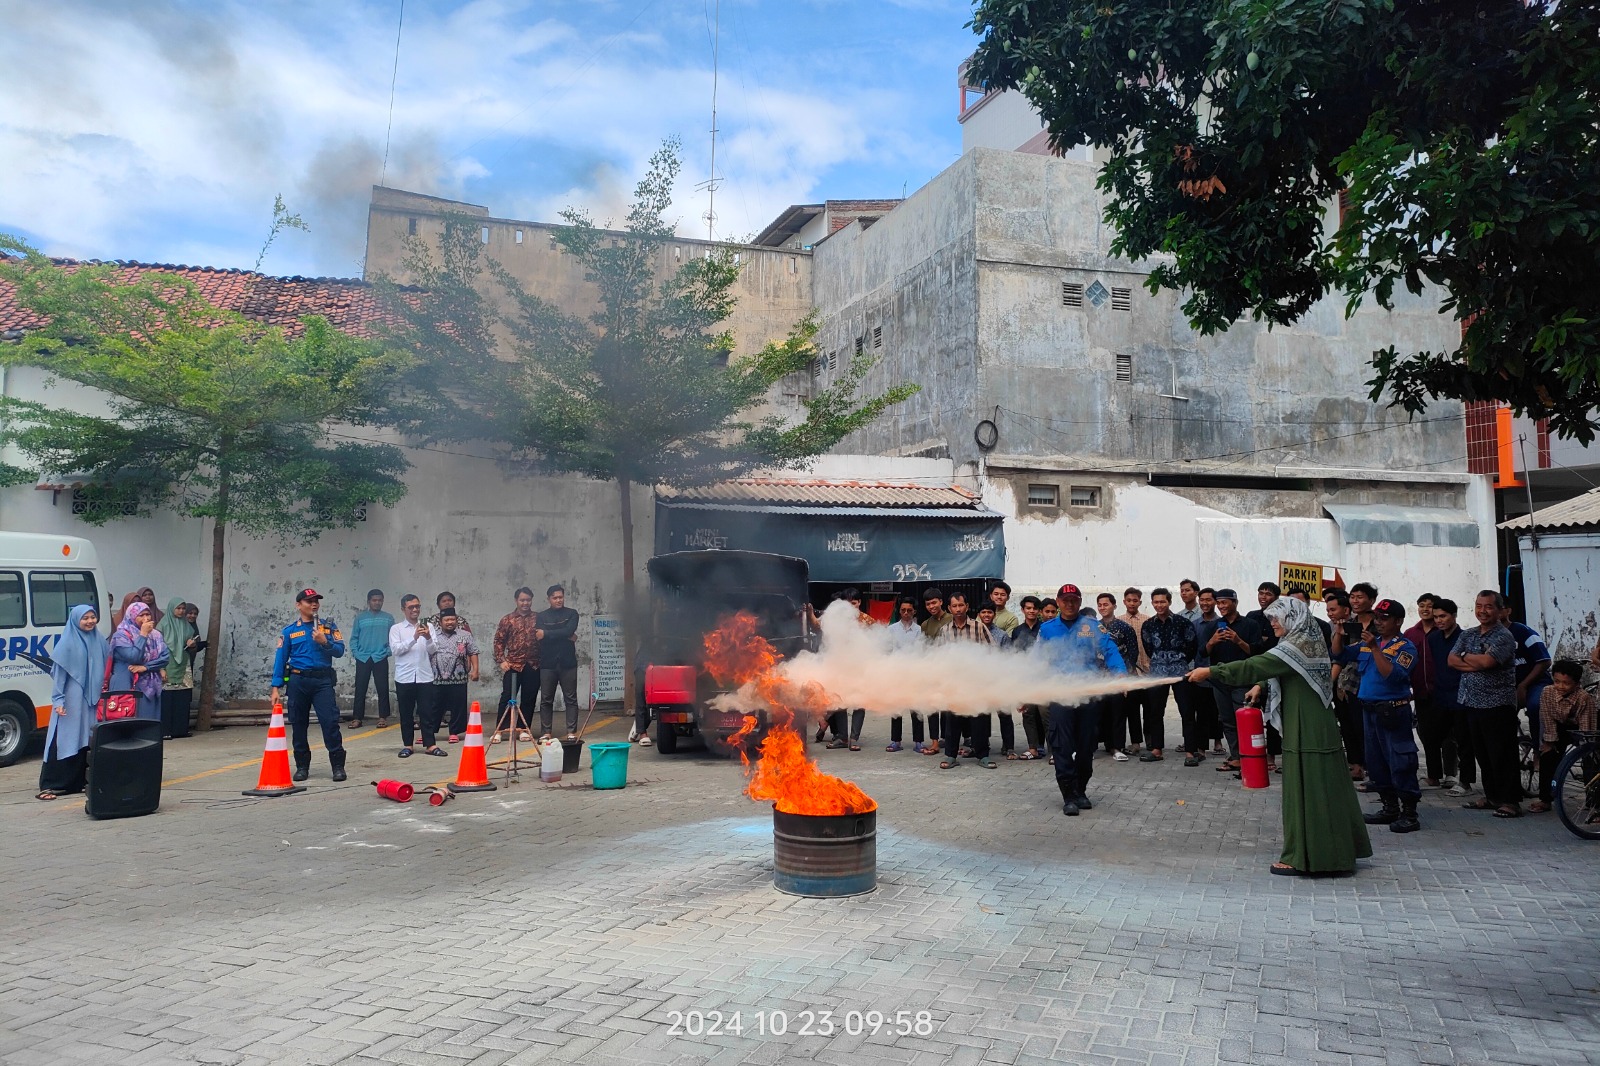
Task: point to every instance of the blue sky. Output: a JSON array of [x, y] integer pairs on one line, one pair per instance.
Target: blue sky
[[161, 130]]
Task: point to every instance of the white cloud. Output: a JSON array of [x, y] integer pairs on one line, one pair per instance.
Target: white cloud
[[161, 130]]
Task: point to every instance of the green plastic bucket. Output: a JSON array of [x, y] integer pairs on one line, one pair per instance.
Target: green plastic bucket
[[609, 764]]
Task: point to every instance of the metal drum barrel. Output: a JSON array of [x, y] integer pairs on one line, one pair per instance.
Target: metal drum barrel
[[824, 855]]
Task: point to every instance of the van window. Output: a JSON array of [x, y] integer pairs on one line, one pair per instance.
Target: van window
[[55, 592], [12, 613]]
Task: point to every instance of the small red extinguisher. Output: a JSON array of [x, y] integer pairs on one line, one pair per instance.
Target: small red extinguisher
[[1252, 747]]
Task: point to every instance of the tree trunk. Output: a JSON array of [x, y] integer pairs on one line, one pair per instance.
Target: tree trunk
[[219, 548], [630, 638]]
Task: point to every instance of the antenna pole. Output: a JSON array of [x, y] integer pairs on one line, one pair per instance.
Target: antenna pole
[[711, 183]]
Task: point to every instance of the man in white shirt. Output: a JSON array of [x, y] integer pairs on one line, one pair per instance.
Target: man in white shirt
[[410, 641], [905, 631]]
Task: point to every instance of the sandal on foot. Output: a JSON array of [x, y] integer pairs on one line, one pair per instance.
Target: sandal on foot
[[525, 737], [1027, 756], [1538, 807], [405, 753], [1012, 756], [1478, 805], [498, 738], [1283, 869], [455, 738], [949, 764], [838, 742], [46, 794], [437, 750], [855, 746], [1227, 767], [1508, 811], [894, 745], [987, 764]]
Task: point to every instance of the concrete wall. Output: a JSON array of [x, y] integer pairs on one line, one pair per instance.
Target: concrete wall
[[1003, 120], [913, 275], [1561, 590], [473, 526]]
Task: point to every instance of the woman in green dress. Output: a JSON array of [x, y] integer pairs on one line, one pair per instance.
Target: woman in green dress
[[1323, 832]]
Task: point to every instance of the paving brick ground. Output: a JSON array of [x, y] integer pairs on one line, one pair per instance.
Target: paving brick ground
[[558, 924]]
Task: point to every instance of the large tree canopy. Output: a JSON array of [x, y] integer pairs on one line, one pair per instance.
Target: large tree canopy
[[1461, 133]]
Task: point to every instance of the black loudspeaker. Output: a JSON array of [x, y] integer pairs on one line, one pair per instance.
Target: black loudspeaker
[[124, 769], [175, 706]]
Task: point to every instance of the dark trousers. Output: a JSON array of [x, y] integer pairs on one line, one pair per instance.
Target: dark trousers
[[452, 701], [305, 694], [1072, 738], [1461, 729], [836, 722], [1033, 725], [1352, 730], [1008, 732], [895, 732], [417, 704], [1391, 747], [64, 775], [1149, 707], [1228, 701], [1119, 722], [1435, 719], [1190, 705], [549, 678], [975, 726], [1494, 742], [516, 685], [376, 674]]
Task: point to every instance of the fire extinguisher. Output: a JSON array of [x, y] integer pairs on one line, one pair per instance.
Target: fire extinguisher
[[1252, 747]]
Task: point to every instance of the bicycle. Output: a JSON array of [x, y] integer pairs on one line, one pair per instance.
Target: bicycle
[[1528, 764], [1576, 786]]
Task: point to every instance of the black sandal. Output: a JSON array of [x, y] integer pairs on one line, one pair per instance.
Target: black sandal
[[437, 750], [47, 794]]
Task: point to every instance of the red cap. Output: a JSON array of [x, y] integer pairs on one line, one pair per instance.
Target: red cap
[[307, 594], [1068, 590]]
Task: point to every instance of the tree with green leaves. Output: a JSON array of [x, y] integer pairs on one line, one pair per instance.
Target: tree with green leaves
[[1460, 138], [207, 413], [645, 390]]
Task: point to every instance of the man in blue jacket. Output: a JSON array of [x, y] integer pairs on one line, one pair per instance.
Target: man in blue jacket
[[1074, 643]]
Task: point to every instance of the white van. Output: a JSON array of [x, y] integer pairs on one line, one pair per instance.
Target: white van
[[41, 579]]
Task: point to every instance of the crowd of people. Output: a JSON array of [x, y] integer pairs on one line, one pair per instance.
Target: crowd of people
[[1356, 702], [151, 654]]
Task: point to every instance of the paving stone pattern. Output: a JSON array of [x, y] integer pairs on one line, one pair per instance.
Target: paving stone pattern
[[559, 924]]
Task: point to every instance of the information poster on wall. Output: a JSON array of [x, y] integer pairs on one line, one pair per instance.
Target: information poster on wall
[[609, 674]]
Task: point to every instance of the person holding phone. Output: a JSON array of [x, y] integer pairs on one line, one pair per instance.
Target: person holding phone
[[411, 644], [303, 666]]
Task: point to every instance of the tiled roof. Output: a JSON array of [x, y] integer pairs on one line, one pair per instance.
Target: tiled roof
[[349, 304], [1576, 513], [826, 493]]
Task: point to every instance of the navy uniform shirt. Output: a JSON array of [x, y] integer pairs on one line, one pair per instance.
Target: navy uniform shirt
[[299, 650], [1375, 688]]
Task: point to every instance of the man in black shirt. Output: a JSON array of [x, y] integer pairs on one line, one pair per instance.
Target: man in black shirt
[[1230, 639], [558, 660]]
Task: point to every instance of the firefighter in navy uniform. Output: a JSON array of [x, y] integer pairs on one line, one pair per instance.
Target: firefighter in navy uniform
[[304, 666]]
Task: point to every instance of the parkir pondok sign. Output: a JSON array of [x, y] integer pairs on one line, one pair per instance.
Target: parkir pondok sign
[[1307, 578]]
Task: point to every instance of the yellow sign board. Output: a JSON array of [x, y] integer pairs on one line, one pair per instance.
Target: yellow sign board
[[1301, 577]]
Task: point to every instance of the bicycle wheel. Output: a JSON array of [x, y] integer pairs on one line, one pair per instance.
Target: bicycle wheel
[[1528, 764], [1576, 790]]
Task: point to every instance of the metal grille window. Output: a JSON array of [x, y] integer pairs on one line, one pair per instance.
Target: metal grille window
[[1071, 294], [86, 503], [833, 359], [1124, 368], [1121, 299], [1085, 496], [1044, 496], [877, 336], [861, 344]]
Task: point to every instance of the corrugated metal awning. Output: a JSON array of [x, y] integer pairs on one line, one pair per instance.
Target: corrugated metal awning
[[824, 493], [1384, 523], [1577, 513], [981, 513]]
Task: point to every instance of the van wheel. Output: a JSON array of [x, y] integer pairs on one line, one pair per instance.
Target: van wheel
[[666, 738], [16, 727]]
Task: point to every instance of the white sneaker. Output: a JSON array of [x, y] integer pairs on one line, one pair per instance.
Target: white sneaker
[[1120, 756], [633, 734]]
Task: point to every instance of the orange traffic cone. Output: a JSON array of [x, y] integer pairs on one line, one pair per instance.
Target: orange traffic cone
[[274, 779], [474, 773]]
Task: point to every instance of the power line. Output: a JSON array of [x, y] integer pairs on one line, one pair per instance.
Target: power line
[[394, 77]]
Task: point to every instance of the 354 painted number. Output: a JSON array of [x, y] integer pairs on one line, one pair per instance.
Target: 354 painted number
[[912, 572]]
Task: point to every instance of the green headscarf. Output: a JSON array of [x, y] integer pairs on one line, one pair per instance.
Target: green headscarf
[[177, 632]]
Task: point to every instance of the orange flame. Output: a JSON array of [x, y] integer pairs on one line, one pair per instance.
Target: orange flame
[[738, 655]]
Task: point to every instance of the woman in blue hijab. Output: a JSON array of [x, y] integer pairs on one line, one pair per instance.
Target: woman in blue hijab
[[77, 672]]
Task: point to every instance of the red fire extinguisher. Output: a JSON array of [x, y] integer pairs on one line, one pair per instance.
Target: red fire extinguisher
[[1252, 747], [398, 791]]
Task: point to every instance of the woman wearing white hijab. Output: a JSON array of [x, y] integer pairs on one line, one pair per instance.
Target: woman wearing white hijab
[[1323, 831]]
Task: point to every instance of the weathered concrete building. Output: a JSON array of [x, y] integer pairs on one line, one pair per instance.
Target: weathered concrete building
[[1125, 448]]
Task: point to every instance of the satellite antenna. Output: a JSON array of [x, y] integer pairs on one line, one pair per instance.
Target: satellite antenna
[[711, 183]]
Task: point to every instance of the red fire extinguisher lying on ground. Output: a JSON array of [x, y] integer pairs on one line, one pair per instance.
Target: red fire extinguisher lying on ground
[[1252, 747]]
